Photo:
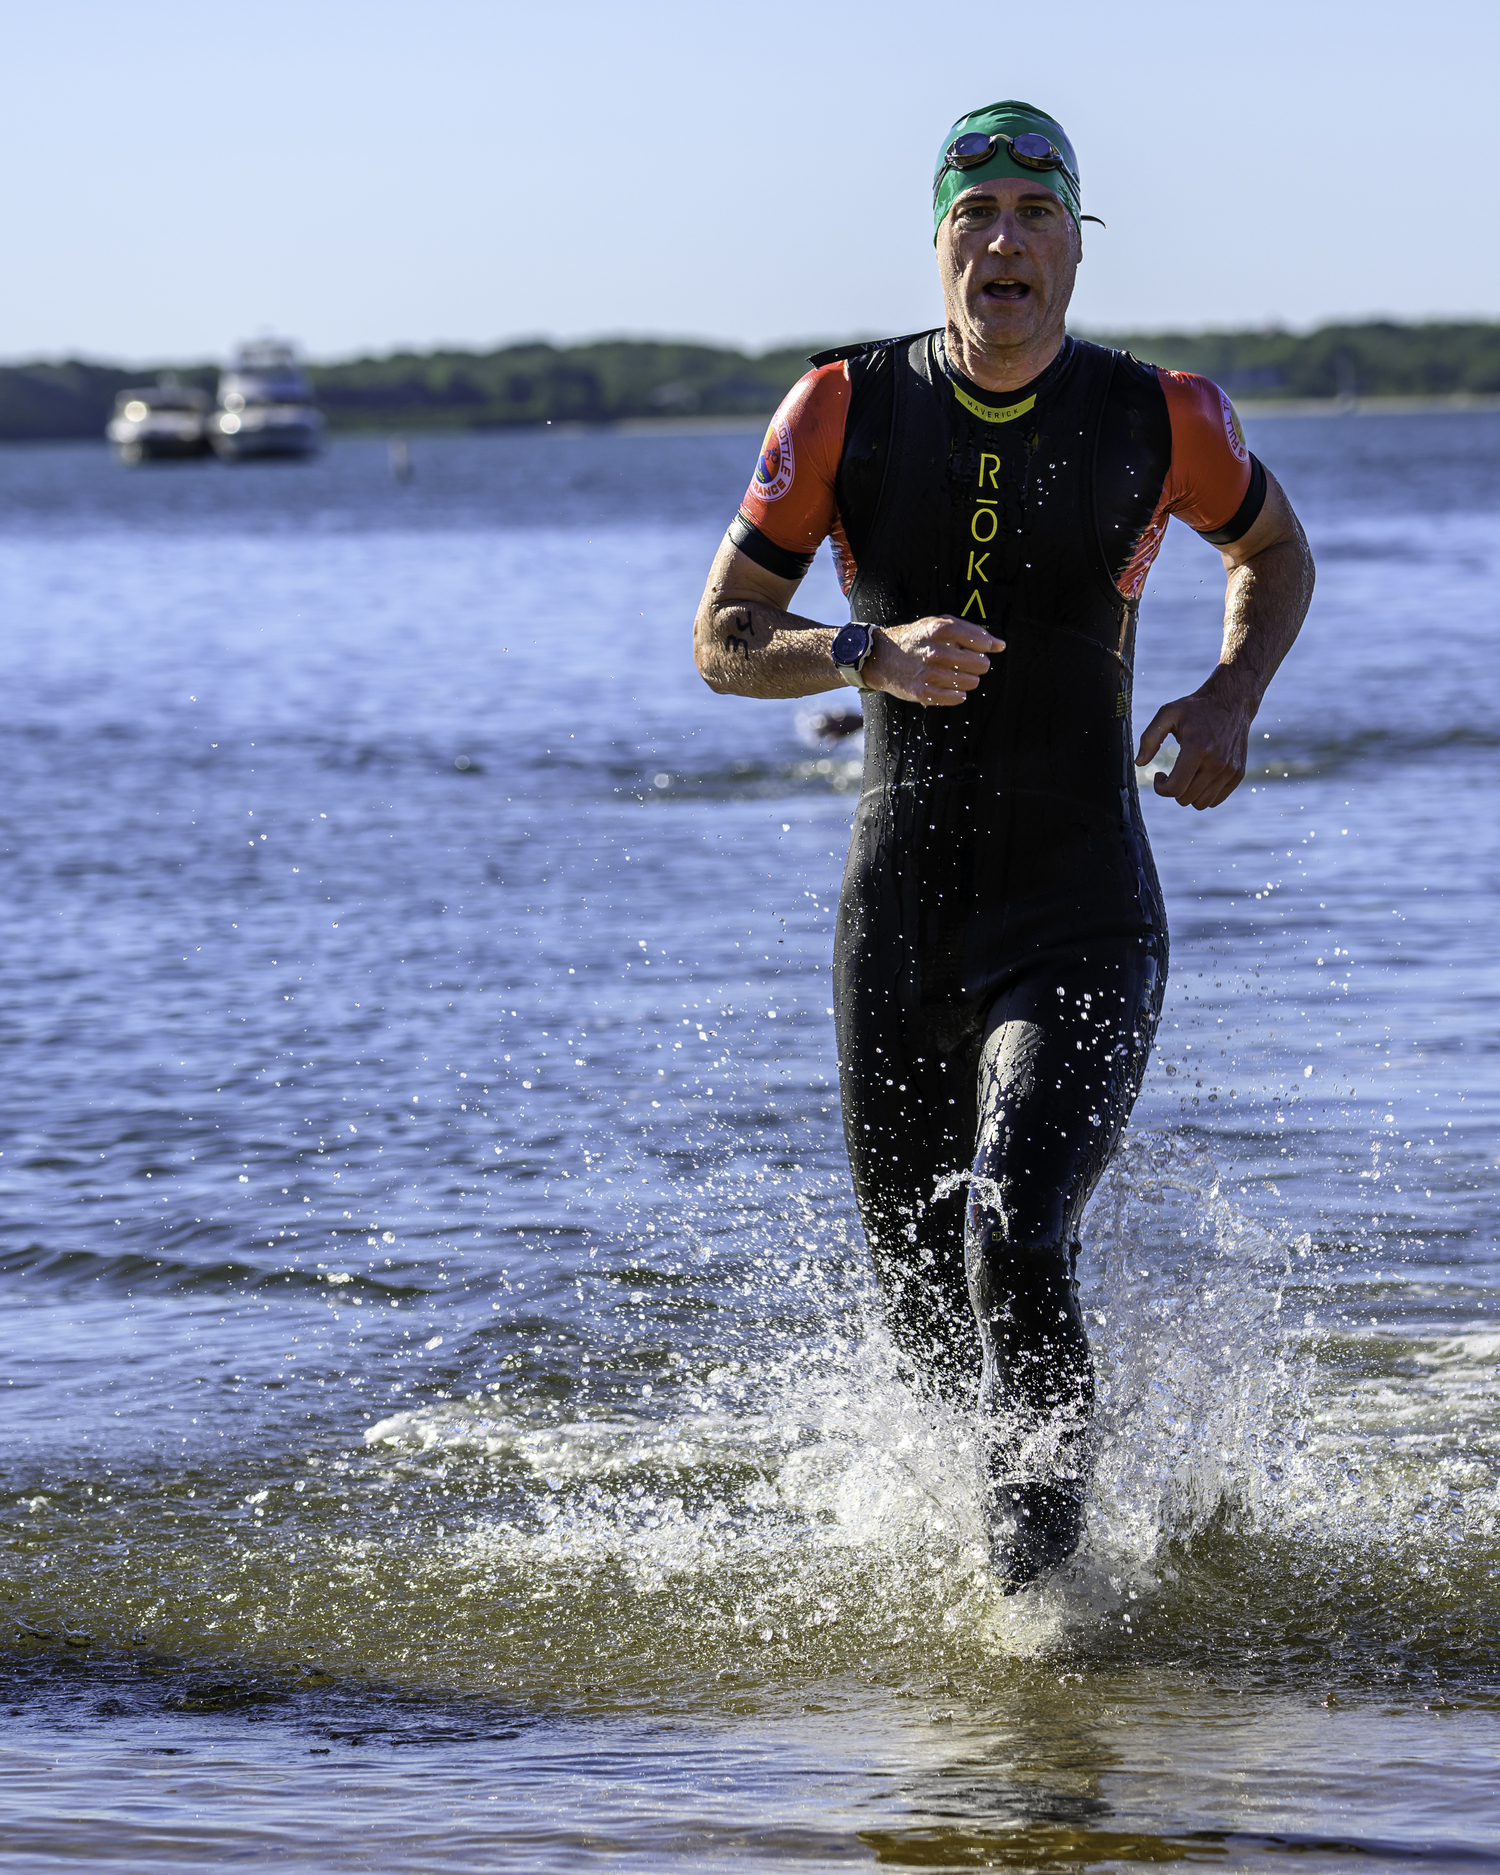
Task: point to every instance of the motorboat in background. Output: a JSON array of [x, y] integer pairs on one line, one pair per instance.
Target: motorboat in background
[[265, 406], [158, 421]]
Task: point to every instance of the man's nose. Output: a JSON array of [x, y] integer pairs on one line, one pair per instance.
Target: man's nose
[[1008, 236]]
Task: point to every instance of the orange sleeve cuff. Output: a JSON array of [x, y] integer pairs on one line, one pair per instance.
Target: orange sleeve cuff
[[1212, 468], [791, 499]]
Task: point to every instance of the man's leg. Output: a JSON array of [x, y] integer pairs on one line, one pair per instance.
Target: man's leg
[[1064, 1052], [907, 1080]]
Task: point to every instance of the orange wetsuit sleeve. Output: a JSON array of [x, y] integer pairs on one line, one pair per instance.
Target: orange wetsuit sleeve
[[790, 507], [1214, 483]]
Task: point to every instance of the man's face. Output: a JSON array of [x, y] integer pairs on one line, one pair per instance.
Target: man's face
[[1008, 251]]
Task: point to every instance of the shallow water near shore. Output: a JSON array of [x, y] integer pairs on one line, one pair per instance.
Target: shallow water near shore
[[526, 1482]]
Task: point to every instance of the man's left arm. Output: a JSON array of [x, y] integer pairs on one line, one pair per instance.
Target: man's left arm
[[1270, 585]]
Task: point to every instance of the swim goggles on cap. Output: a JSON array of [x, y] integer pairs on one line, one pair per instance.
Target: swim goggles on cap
[[1030, 150]]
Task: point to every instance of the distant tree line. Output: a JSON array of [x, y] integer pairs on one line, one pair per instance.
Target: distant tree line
[[624, 379], [1375, 359], [531, 384]]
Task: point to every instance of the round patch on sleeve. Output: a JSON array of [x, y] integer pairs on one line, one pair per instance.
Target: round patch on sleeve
[[1233, 431], [773, 473]]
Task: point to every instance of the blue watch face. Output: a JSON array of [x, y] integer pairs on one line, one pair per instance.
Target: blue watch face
[[852, 644]]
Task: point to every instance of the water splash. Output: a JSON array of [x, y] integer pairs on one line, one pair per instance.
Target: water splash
[[814, 1480], [793, 1513], [1203, 1379]]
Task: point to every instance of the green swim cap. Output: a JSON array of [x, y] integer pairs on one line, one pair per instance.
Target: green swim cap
[[1009, 119]]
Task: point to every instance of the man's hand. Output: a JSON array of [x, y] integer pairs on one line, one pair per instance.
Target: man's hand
[[931, 660], [1270, 582], [1213, 738]]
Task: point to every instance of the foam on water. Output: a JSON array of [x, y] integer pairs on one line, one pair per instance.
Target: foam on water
[[819, 1492]]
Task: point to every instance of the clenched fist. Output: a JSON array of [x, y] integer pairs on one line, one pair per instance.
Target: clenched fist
[[931, 660]]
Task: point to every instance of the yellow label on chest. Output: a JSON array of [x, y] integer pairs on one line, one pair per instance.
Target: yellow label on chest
[[993, 413]]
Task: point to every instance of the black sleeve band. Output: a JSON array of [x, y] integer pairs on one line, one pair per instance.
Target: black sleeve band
[[1245, 515], [745, 535]]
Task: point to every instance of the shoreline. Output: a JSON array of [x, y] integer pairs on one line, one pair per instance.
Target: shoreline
[[1393, 406], [650, 385], [1457, 403]]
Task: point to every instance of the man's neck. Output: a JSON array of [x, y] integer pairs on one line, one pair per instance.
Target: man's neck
[[1001, 368]]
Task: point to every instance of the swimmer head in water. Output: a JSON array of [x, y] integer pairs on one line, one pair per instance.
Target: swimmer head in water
[[1006, 139]]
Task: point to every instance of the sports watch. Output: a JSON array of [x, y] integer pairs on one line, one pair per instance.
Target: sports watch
[[852, 650]]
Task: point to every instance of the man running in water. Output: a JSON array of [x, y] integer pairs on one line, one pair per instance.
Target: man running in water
[[996, 492]]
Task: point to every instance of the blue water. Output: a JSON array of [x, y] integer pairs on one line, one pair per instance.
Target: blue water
[[446, 1422]]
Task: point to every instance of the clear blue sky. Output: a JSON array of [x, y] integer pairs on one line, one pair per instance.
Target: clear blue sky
[[183, 173]]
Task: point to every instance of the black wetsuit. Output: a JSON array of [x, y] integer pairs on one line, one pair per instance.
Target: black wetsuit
[[1002, 944], [1001, 951]]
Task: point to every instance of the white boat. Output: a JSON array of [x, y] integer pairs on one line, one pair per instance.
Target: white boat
[[265, 406], [158, 421]]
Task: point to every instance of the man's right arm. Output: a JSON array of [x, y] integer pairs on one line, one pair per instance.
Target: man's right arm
[[745, 641], [747, 644]]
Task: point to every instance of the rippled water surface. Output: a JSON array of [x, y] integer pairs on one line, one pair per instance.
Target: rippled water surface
[[446, 1425]]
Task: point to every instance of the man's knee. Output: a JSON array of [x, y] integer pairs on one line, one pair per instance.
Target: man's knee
[[1026, 1293], [1021, 1197], [1038, 1362]]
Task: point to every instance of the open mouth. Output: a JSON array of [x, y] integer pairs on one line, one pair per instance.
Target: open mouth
[[1007, 290]]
